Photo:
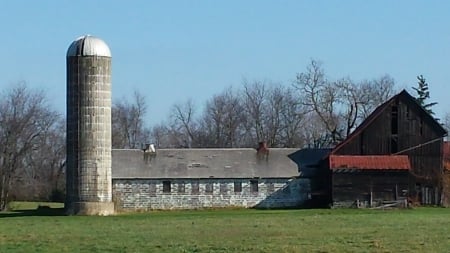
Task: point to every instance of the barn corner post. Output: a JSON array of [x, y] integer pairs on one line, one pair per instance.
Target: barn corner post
[[88, 176]]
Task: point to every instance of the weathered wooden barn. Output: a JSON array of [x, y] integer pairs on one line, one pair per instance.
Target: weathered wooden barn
[[395, 153], [206, 178]]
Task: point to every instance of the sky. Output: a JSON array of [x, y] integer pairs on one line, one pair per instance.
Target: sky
[[172, 51]]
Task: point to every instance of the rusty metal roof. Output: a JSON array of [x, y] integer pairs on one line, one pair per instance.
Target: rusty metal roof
[[370, 162], [88, 46]]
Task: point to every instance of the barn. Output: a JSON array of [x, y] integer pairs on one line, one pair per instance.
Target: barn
[[394, 154], [206, 178]]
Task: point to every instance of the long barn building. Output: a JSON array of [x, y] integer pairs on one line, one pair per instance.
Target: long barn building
[[206, 178]]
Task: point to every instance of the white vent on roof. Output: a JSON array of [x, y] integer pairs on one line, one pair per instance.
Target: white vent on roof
[[150, 148]]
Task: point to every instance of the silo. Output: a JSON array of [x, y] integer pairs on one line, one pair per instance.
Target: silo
[[88, 161]]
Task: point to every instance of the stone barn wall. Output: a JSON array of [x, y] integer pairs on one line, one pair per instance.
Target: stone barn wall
[[154, 194]]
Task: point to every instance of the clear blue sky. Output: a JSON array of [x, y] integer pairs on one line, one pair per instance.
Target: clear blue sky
[[175, 50]]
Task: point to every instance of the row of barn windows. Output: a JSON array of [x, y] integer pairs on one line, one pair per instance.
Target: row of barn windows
[[209, 187]]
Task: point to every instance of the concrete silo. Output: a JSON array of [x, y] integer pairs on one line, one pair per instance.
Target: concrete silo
[[88, 162]]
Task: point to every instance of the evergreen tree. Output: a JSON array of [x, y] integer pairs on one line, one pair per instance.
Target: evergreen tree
[[423, 94]]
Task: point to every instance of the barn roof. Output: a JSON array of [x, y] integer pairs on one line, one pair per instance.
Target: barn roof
[[404, 96], [370, 162], [202, 163]]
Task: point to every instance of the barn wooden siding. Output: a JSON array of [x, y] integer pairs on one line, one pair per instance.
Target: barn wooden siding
[[368, 188]]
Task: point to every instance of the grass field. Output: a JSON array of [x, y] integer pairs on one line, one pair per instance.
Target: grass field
[[341, 230]]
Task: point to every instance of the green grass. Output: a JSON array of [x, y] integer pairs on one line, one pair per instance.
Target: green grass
[[341, 230], [33, 205]]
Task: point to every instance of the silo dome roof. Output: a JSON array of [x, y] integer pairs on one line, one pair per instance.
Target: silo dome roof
[[88, 46]]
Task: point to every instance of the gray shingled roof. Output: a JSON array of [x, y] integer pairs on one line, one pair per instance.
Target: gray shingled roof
[[202, 163]]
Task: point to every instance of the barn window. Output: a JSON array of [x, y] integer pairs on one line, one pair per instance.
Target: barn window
[[152, 188], [181, 187], [394, 120], [238, 186], [209, 188], [270, 188], [223, 188], [166, 186], [254, 185], [194, 187]]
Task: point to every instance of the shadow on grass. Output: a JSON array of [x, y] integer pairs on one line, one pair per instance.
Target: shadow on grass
[[40, 211]]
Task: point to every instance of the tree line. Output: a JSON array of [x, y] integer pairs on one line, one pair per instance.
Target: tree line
[[312, 111]]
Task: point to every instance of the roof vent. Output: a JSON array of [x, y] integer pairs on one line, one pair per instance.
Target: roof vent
[[149, 152], [150, 148]]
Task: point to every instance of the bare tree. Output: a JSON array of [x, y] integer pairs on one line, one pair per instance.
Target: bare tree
[[339, 105], [292, 117], [255, 96], [24, 118], [42, 174], [183, 125], [314, 132], [321, 97], [350, 98], [128, 129], [273, 119], [159, 136], [375, 92], [222, 120]]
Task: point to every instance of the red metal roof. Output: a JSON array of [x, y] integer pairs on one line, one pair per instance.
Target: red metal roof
[[370, 162]]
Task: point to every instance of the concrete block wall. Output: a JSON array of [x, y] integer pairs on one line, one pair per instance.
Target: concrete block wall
[[153, 194]]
